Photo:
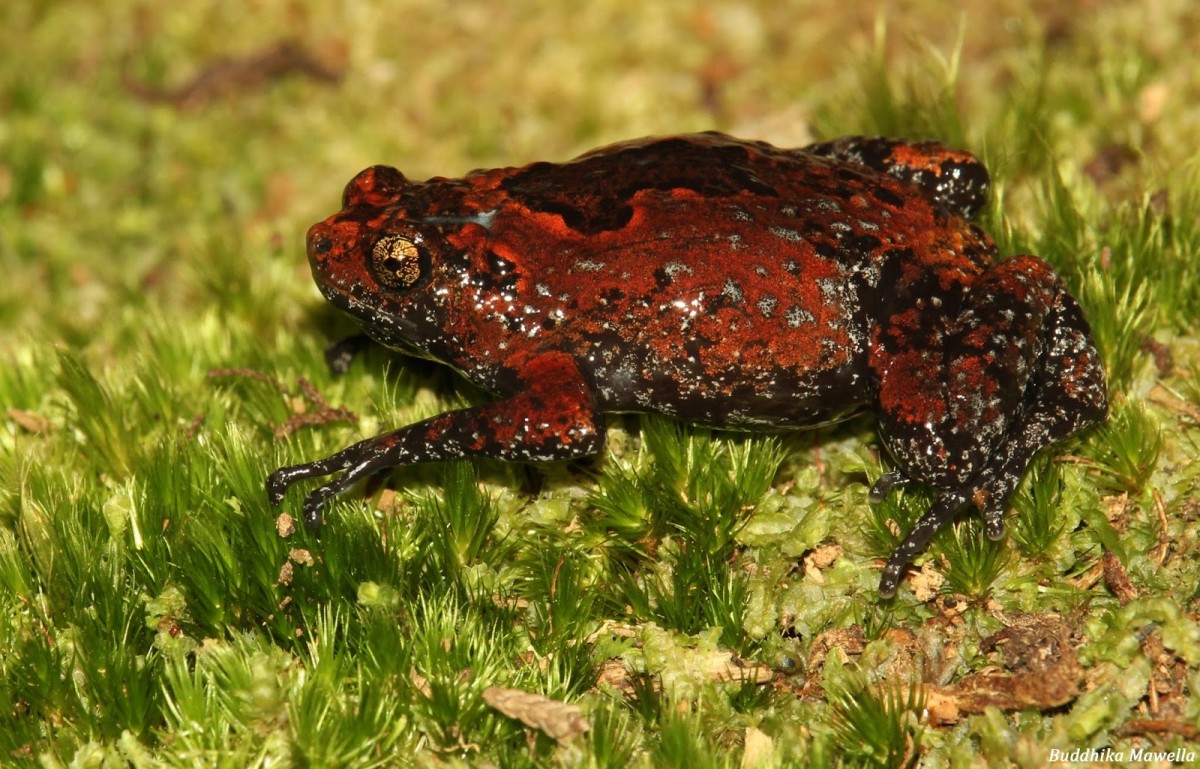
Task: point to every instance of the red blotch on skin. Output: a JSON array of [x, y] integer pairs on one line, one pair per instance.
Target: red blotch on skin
[[909, 389], [918, 156]]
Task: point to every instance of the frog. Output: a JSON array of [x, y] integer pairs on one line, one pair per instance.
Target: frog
[[724, 282]]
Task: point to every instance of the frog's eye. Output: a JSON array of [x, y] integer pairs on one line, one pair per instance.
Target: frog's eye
[[397, 262]]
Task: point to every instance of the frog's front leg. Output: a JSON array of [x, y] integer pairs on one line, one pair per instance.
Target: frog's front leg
[[967, 398], [554, 417]]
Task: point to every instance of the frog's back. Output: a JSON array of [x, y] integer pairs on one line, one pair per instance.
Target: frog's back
[[729, 282]]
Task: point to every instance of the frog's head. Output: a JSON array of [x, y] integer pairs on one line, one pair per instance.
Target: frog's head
[[375, 260]]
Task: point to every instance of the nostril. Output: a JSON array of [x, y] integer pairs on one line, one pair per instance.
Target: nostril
[[319, 243]]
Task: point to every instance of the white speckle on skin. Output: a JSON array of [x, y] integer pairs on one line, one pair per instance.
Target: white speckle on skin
[[785, 233], [830, 289], [796, 316]]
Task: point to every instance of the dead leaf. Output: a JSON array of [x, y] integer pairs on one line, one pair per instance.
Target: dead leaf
[[1159, 726], [1152, 99], [926, 583], [847, 641], [1040, 671], [1172, 402], [28, 420], [819, 559], [297, 403], [759, 748], [420, 683], [389, 502], [614, 673], [723, 667], [558, 720], [1117, 578], [230, 76]]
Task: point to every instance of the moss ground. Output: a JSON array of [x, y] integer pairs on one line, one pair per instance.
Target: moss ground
[[702, 599]]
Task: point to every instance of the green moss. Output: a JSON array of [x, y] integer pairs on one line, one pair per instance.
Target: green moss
[[150, 611]]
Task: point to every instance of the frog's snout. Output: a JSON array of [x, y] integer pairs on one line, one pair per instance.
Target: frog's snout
[[320, 241], [328, 256]]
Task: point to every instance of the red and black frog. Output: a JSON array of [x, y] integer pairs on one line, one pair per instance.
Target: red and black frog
[[725, 282]]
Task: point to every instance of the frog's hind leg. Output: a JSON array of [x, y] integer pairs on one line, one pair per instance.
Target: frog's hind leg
[[1067, 395], [966, 410], [954, 178]]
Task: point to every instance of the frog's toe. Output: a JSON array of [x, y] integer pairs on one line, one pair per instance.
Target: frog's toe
[[937, 517], [340, 354], [993, 523], [884, 485], [277, 484], [313, 505]]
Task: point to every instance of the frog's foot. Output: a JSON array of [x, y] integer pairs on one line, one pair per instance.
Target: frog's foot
[[360, 460], [340, 354], [884, 485], [988, 492], [938, 516]]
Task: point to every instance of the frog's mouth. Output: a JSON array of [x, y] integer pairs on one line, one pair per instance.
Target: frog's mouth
[[393, 331], [402, 346], [388, 328]]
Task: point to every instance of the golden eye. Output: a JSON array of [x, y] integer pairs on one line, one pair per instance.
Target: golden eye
[[397, 261]]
